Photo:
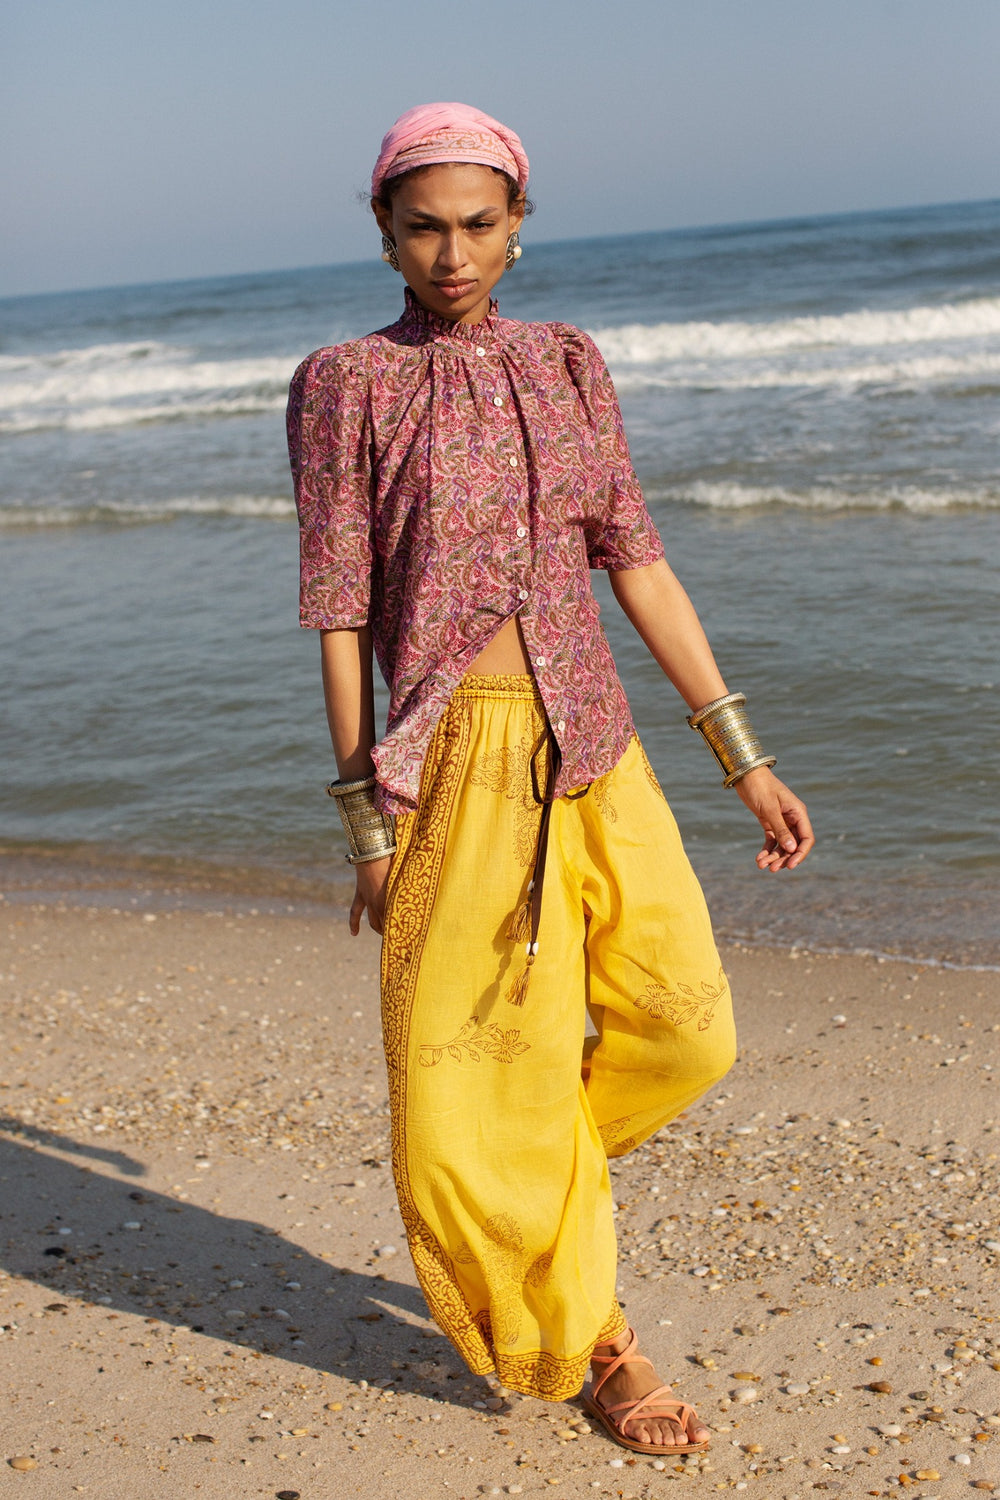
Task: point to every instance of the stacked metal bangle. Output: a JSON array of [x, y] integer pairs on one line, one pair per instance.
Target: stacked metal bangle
[[728, 733], [370, 834]]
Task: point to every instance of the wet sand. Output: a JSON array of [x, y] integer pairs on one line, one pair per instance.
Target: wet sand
[[205, 1284]]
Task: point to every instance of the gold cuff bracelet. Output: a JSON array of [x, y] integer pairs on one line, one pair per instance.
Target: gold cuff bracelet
[[370, 834], [727, 731]]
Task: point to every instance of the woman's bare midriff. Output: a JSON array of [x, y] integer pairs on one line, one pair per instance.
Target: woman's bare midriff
[[506, 652]]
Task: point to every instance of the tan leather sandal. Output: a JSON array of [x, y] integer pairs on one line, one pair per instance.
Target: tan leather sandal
[[657, 1403]]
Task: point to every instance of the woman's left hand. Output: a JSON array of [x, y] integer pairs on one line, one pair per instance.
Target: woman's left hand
[[788, 835]]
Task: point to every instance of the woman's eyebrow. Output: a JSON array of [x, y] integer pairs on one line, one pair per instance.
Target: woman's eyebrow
[[436, 223]]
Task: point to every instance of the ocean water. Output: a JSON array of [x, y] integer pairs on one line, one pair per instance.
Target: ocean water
[[812, 408]]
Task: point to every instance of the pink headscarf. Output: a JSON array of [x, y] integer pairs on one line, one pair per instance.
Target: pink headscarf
[[433, 133]]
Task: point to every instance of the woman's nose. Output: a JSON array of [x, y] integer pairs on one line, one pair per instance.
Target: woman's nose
[[450, 253]]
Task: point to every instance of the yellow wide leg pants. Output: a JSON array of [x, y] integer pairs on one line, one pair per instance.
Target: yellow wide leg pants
[[503, 1116]]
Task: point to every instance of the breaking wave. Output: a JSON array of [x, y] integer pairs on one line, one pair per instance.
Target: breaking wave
[[952, 342], [122, 513], [639, 343], [123, 384], [732, 497]]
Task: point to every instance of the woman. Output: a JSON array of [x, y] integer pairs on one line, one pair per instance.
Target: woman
[[457, 475]]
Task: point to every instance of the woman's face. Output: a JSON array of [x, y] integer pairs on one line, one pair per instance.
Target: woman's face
[[450, 224]]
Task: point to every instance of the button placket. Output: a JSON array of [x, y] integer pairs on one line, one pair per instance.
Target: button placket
[[512, 461]]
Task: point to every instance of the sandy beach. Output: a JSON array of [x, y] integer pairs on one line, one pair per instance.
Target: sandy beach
[[206, 1288]]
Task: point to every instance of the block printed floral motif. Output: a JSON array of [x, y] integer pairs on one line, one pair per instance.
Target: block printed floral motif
[[684, 1003], [602, 796], [650, 774], [474, 1042], [507, 771], [615, 1142]]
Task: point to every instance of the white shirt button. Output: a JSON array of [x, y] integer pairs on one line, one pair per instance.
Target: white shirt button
[[522, 593], [513, 460], [522, 531], [480, 350], [498, 401], [561, 726], [539, 661]]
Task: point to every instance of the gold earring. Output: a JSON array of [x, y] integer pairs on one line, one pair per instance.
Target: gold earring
[[389, 253], [514, 250]]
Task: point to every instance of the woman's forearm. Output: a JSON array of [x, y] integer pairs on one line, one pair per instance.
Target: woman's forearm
[[350, 699], [665, 618], [658, 607]]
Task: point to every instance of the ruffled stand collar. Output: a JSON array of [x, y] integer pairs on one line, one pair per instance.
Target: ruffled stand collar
[[417, 319]]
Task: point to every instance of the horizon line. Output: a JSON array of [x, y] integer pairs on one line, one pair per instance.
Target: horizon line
[[783, 220]]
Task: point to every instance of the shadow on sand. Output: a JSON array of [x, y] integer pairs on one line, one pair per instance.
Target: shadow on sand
[[132, 1250]]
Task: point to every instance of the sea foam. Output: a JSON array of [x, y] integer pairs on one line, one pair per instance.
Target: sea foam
[[108, 385], [955, 344], [116, 385], [639, 343], [123, 513], [823, 498]]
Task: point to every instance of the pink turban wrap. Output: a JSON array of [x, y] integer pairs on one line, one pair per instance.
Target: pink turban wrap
[[433, 133]]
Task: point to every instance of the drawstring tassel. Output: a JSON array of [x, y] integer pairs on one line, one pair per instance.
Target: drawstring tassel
[[518, 992], [519, 926]]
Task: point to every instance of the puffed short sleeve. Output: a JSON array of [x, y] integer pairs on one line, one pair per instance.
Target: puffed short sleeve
[[620, 532], [329, 445]]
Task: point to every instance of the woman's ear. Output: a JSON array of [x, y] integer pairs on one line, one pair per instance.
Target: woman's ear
[[383, 217]]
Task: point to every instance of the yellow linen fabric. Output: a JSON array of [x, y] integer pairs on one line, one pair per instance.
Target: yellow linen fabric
[[503, 1117]]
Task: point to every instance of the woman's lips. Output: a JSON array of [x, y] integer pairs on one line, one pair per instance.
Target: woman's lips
[[454, 289]]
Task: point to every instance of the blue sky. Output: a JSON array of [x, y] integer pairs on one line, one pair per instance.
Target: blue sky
[[196, 137]]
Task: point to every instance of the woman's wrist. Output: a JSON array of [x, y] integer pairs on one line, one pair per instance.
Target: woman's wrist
[[725, 726], [371, 833]]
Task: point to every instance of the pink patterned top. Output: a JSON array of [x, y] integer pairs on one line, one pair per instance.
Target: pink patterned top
[[451, 475]]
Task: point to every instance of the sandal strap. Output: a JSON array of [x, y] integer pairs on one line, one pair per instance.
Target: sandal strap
[[615, 1361], [680, 1412], [606, 1359], [660, 1402]]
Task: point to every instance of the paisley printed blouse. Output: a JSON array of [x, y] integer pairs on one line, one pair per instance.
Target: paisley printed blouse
[[448, 476]]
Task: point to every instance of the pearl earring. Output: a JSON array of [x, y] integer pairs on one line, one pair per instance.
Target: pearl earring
[[514, 250]]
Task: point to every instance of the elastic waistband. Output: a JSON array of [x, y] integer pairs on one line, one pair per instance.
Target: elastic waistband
[[518, 685]]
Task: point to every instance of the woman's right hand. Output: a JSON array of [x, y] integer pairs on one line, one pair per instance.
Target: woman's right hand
[[369, 894]]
